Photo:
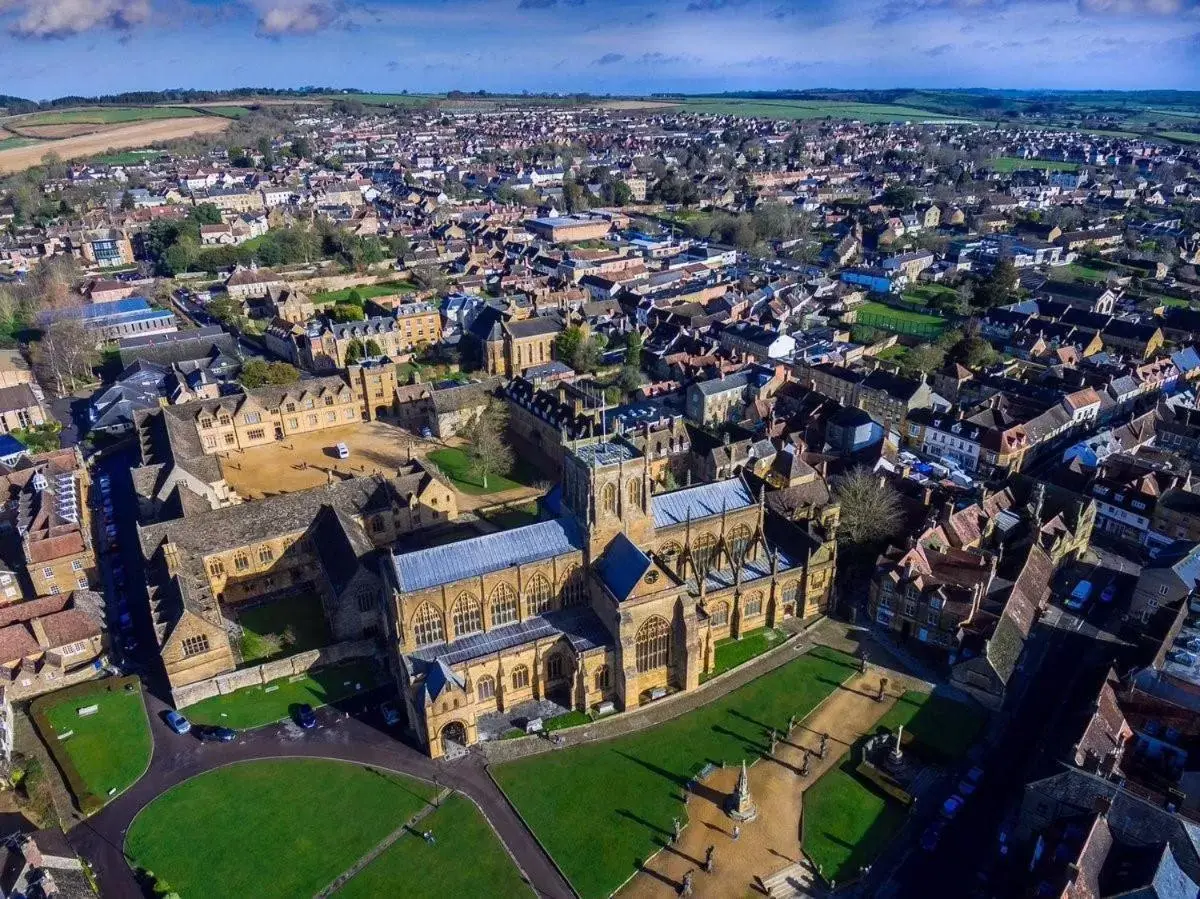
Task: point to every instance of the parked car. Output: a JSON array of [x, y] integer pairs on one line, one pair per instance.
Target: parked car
[[1079, 596], [208, 733], [932, 835], [177, 722], [1109, 593], [970, 782], [427, 433], [952, 806], [391, 714], [305, 716], [342, 451]]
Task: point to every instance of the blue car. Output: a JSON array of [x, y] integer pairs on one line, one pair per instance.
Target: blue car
[[177, 722], [306, 717]]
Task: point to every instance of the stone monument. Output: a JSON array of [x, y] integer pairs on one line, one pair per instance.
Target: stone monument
[[740, 806]]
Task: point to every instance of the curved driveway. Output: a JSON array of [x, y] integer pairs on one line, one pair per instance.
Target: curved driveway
[[352, 738]]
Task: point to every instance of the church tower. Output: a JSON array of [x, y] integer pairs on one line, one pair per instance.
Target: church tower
[[606, 485]]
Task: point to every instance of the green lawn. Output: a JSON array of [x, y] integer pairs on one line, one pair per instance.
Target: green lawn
[[601, 808], [811, 109], [942, 727], [255, 706], [128, 157], [110, 748], [366, 291], [1014, 163], [282, 828], [302, 614], [846, 823], [729, 653], [412, 867], [455, 465], [514, 516], [1080, 272], [928, 294], [11, 143], [228, 112], [105, 115], [901, 315], [1183, 137], [892, 354]]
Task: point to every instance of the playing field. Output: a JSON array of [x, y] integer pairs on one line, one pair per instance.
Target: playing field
[[1014, 163]]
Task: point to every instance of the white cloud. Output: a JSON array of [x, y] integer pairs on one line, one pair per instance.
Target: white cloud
[[276, 17], [62, 18]]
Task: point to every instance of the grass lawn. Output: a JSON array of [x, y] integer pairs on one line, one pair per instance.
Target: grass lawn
[[128, 157], [729, 653], [1014, 163], [927, 294], [892, 354], [11, 143], [573, 718], [255, 706], [1080, 272], [411, 867], [514, 516], [281, 828], [1183, 137], [366, 291], [901, 315], [229, 112], [110, 748], [302, 613], [106, 115], [601, 808], [455, 465], [941, 726], [846, 823]]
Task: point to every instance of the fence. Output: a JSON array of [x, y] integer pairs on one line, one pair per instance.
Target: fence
[[300, 663], [898, 324]]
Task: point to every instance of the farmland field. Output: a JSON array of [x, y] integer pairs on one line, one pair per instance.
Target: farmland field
[[810, 109], [104, 115], [1183, 137], [134, 134], [229, 112], [1013, 163]]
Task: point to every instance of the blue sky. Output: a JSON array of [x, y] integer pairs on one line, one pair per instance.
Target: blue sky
[[53, 47]]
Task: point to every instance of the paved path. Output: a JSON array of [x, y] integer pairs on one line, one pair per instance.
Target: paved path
[[358, 738]]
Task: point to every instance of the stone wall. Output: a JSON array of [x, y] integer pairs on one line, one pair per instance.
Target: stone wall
[[270, 671], [317, 283]]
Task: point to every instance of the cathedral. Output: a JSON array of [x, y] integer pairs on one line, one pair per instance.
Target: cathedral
[[617, 602]]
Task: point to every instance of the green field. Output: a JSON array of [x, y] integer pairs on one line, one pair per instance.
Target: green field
[[809, 109], [900, 321], [455, 464], [412, 867], [110, 748], [11, 143], [601, 808], [892, 354], [252, 707], [366, 291], [105, 115], [302, 614], [281, 828], [928, 294], [1183, 137], [846, 820], [127, 157], [228, 112], [1014, 163], [729, 653]]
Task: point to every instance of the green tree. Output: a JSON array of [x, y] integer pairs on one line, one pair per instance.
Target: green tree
[[922, 360], [205, 214], [347, 312], [260, 373], [633, 351], [567, 344], [487, 443], [974, 352], [900, 196], [354, 298], [225, 310], [127, 201], [354, 352], [301, 147], [373, 349], [870, 508], [997, 288]]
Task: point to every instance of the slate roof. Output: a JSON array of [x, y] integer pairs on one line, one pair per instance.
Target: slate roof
[[699, 502], [580, 626], [622, 566], [439, 565]]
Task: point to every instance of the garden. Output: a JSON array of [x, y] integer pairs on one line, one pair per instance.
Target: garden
[[731, 652], [455, 464], [99, 737], [625, 792], [283, 626], [263, 704], [279, 828]]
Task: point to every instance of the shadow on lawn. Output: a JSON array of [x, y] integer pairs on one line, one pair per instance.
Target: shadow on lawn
[[697, 789]]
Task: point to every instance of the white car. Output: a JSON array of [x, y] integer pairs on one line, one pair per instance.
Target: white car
[[343, 451]]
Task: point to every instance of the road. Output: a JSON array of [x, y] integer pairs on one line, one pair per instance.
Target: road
[[355, 734]]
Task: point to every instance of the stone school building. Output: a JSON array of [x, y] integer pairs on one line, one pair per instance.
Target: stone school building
[[619, 600]]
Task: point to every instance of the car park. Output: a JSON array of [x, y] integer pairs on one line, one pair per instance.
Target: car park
[[177, 722]]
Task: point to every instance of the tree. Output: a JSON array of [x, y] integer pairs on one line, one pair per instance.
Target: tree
[[260, 373], [629, 379], [373, 349], [354, 351], [66, 354], [870, 507], [997, 288], [974, 352], [567, 344], [347, 312], [900, 196], [922, 360], [127, 201], [40, 438], [633, 350], [206, 214], [487, 444], [301, 147], [225, 310]]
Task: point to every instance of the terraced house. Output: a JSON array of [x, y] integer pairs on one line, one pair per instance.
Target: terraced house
[[620, 600]]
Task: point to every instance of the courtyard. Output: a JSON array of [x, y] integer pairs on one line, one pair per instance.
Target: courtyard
[[625, 792], [282, 626], [279, 828], [303, 461], [99, 736]]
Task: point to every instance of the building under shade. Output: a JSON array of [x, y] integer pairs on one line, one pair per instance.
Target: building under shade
[[620, 600]]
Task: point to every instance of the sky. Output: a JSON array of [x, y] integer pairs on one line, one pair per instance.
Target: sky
[[50, 48]]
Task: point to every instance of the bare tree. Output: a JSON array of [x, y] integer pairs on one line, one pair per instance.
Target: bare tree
[[870, 507], [488, 446], [65, 355]]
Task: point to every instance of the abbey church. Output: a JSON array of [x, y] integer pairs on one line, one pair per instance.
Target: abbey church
[[617, 602]]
